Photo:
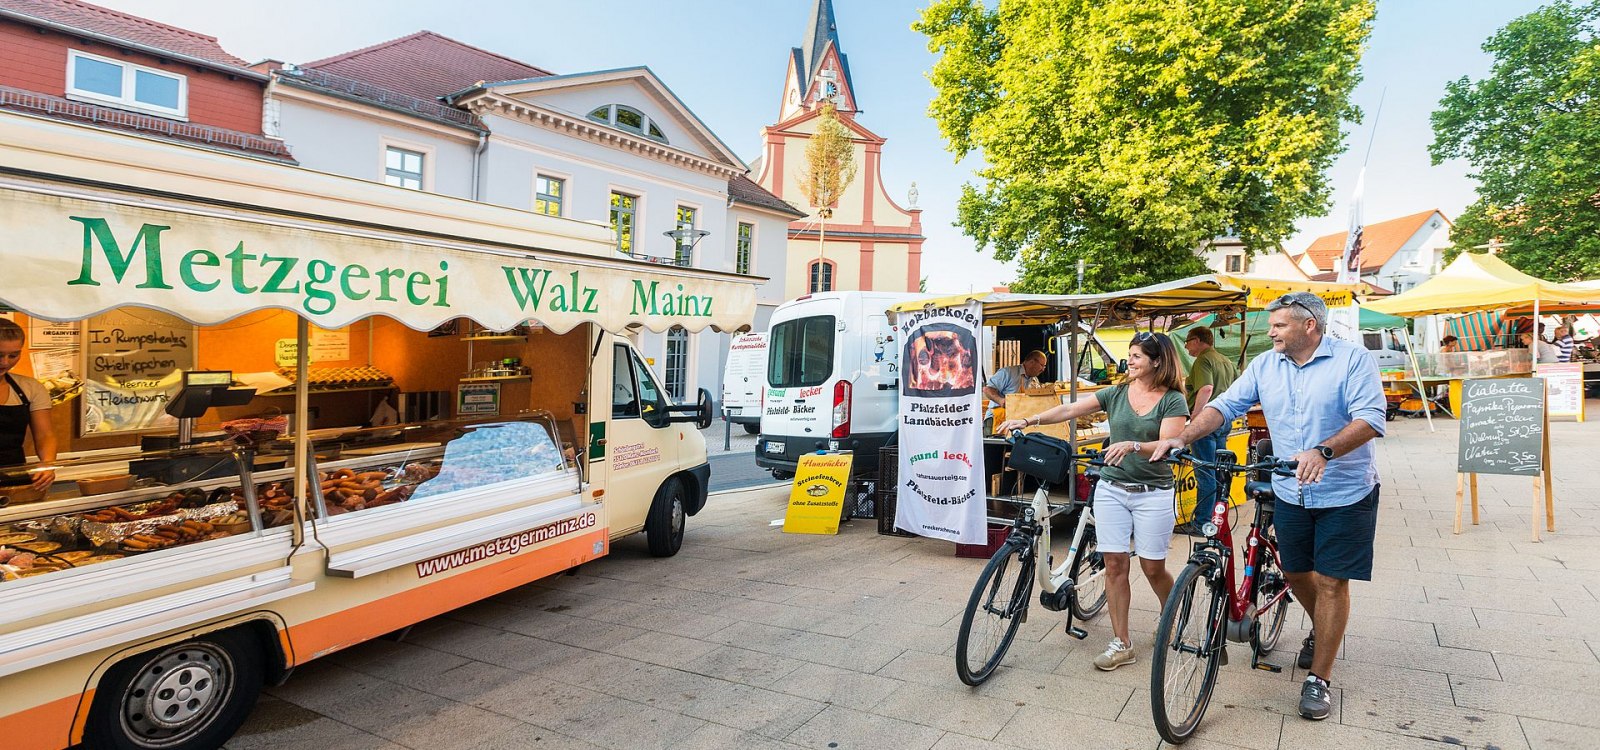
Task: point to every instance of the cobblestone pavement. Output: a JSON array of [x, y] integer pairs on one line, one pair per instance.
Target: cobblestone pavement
[[753, 639]]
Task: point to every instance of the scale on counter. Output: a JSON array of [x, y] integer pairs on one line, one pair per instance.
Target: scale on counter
[[202, 390]]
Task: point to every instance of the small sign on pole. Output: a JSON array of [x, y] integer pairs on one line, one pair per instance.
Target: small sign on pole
[[816, 500]]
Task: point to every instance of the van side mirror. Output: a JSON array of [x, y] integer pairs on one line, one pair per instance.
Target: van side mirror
[[700, 413], [1122, 367]]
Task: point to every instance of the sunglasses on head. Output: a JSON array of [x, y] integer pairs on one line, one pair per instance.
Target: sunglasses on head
[[1143, 336], [1292, 299]]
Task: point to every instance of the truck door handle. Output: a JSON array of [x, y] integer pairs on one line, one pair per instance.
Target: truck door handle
[[889, 386]]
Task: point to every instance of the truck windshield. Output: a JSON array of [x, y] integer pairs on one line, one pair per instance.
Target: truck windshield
[[800, 352]]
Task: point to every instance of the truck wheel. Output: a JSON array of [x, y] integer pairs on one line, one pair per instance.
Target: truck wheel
[[782, 475], [663, 528], [752, 429], [188, 696]]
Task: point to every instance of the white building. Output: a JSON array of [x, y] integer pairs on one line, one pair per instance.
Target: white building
[[615, 147], [1397, 254]]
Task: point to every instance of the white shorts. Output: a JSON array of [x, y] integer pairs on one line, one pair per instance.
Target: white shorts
[[1144, 518]]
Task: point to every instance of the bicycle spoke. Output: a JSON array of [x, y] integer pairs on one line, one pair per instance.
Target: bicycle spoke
[[994, 612], [1186, 655]]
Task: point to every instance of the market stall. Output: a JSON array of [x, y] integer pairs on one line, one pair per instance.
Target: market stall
[[300, 412], [1072, 319]]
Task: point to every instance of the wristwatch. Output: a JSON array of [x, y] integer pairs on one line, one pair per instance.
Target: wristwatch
[[1327, 453]]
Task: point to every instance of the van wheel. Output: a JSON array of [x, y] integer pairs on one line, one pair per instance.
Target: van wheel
[[188, 696], [663, 528], [782, 475], [752, 429]]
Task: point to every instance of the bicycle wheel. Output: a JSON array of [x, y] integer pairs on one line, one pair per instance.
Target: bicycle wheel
[[1088, 577], [1187, 652], [998, 603], [1271, 583]]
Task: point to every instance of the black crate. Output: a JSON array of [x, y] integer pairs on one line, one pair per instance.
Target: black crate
[[861, 497], [888, 478]]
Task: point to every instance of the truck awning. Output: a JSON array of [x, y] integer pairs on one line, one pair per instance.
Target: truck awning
[[181, 240]]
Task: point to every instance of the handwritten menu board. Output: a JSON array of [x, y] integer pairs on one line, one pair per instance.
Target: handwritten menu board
[[1502, 427], [134, 361]]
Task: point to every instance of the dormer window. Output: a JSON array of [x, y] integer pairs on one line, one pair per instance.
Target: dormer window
[[127, 86], [623, 117]]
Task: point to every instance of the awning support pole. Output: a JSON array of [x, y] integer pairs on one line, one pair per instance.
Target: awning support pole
[[302, 424], [1072, 395], [1416, 372]]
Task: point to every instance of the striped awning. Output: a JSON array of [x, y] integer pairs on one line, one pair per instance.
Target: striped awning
[[1477, 331]]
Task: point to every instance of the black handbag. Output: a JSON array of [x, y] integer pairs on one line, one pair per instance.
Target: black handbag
[[1047, 459]]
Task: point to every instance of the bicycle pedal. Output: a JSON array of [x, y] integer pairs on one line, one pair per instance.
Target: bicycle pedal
[[1077, 632], [1266, 666]]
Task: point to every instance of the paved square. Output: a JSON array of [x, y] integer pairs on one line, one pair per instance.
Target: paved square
[[753, 639]]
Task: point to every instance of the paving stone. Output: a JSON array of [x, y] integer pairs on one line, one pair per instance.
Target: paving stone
[[1454, 725], [1298, 734], [1520, 643], [718, 737], [530, 737], [743, 666], [625, 725], [832, 685], [1227, 721], [664, 649], [1552, 735], [1426, 658], [1553, 703], [1044, 728], [839, 728], [953, 709]]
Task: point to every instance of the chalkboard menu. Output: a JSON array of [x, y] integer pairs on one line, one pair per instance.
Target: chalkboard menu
[[134, 360], [1502, 427]]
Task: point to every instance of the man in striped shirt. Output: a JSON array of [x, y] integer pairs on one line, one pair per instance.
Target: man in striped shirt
[[1564, 343]]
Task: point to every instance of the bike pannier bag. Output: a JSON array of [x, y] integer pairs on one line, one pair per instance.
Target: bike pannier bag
[[1042, 457]]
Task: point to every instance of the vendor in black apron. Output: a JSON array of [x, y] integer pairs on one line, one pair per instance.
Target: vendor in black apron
[[24, 406]]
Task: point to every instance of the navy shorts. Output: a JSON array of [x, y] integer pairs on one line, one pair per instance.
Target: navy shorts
[[1336, 542]]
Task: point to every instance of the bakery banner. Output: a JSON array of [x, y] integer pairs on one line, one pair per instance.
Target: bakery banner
[[69, 258], [940, 490]]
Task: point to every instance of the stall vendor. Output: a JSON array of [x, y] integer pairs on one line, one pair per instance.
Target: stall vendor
[[1010, 380], [24, 406]]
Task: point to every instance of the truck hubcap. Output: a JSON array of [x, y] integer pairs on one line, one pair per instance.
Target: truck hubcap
[[176, 695]]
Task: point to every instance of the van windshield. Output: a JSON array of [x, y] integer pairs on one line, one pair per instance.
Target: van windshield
[[800, 352]]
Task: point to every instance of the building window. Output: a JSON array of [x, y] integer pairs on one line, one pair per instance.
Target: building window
[[685, 245], [547, 195], [624, 117], [127, 85], [624, 214], [821, 276], [677, 370], [402, 168], [1235, 263], [746, 241]]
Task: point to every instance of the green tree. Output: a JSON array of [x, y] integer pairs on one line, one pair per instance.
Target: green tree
[[829, 169], [1531, 131], [1129, 132]]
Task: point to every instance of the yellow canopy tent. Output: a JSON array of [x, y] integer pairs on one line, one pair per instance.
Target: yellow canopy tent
[[1475, 282]]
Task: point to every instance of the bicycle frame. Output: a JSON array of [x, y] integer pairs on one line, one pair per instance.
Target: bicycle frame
[[1241, 606]]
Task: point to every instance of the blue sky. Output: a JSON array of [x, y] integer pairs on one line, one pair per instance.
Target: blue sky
[[726, 59]]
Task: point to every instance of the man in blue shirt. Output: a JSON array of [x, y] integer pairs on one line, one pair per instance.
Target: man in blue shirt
[[1324, 404], [1010, 380]]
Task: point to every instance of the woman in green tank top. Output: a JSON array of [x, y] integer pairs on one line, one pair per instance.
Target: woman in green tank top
[[1133, 502]]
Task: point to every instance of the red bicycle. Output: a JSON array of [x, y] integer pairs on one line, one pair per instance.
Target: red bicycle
[[1208, 608]]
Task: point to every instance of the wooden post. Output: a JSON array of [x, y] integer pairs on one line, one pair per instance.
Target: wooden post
[[1474, 480], [1461, 482], [1549, 496], [1537, 481]]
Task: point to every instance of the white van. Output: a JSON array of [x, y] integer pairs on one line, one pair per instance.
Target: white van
[[744, 381], [832, 377]]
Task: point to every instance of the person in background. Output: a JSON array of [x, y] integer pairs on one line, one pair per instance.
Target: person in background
[[1210, 374], [1011, 380], [1449, 344], [24, 408], [1545, 353], [1133, 499], [1564, 343], [1324, 403]]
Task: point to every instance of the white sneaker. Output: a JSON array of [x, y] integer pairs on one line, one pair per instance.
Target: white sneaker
[[1117, 654]]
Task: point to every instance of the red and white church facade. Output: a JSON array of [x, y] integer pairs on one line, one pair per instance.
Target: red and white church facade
[[872, 243]]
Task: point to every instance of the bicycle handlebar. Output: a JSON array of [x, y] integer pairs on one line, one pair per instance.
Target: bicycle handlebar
[[1090, 455], [1280, 466]]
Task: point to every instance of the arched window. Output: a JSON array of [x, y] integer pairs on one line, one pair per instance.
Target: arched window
[[624, 117], [821, 276]]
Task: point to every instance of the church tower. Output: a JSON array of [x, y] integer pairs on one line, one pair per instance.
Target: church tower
[[872, 242]]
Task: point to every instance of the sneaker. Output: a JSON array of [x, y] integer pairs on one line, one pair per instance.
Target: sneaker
[[1116, 655], [1314, 703], [1308, 648]]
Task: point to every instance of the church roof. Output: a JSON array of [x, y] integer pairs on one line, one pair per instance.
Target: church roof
[[823, 30], [742, 190]]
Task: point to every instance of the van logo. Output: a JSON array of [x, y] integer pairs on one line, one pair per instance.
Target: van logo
[[776, 392], [809, 392]]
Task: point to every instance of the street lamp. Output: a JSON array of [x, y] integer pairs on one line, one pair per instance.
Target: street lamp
[[686, 236]]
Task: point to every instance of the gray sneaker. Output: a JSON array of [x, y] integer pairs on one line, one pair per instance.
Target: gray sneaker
[[1314, 699], [1308, 648]]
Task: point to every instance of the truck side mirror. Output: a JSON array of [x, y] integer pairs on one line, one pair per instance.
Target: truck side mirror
[[1122, 367], [700, 413]]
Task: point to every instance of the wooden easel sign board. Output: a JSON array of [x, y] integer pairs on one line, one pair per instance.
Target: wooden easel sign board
[[1504, 430]]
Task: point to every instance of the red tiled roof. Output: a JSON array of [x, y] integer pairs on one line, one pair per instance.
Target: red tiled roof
[[425, 65], [104, 21], [742, 190], [1379, 242], [194, 134], [1333, 277]]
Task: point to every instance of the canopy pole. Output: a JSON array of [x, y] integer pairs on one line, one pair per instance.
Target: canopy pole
[[1244, 335], [1533, 350], [1072, 396], [1416, 372]]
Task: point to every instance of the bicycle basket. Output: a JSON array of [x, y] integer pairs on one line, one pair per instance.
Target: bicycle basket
[[1042, 457]]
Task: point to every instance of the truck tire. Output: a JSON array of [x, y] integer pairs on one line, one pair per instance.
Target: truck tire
[[663, 527], [186, 696], [752, 429]]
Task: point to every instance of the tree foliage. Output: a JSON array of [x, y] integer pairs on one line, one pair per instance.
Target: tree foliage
[[830, 162], [1531, 131], [1130, 132]]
